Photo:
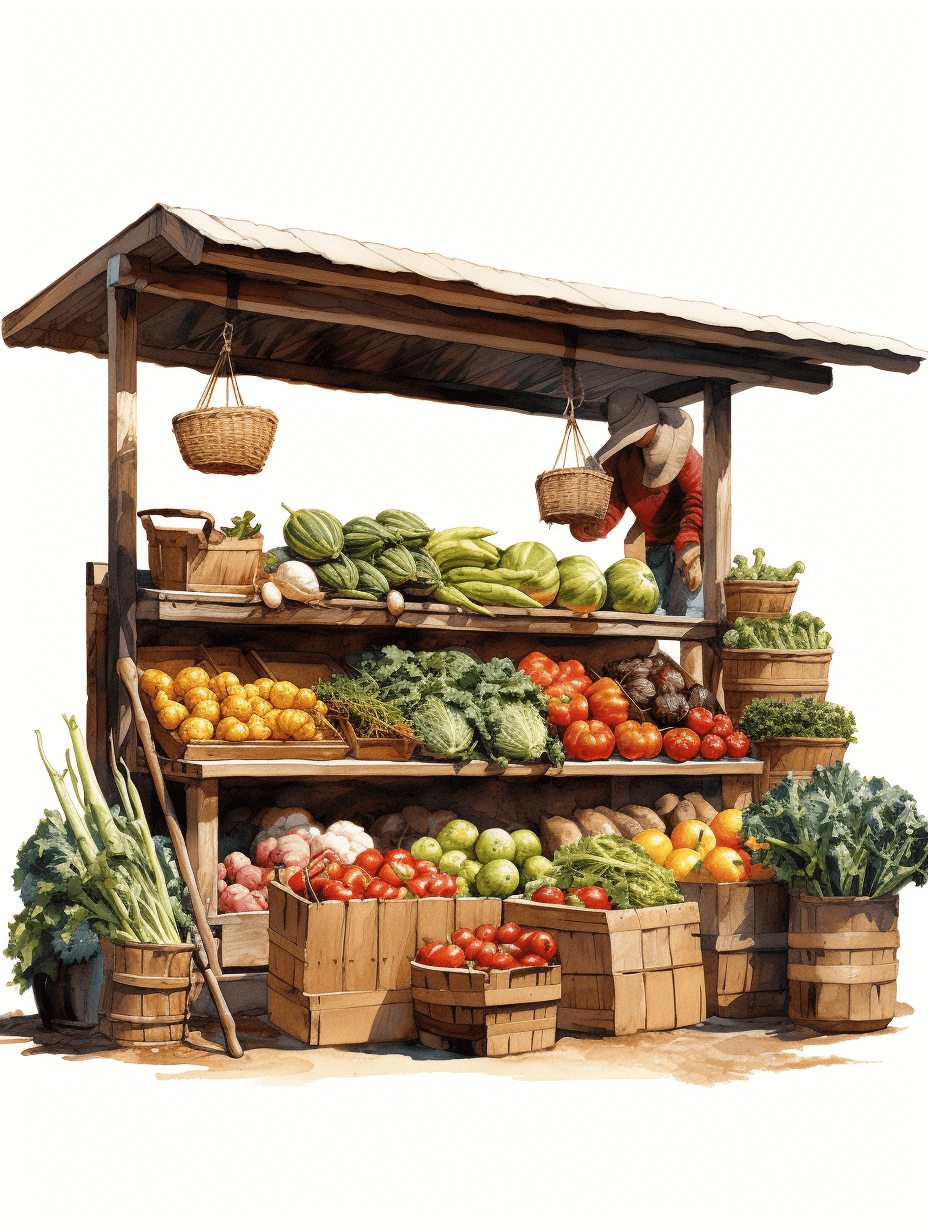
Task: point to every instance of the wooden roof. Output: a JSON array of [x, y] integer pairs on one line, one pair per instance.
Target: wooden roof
[[318, 309]]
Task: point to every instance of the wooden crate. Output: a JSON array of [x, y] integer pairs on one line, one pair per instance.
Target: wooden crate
[[205, 561], [380, 1016], [496, 1012], [743, 936], [623, 971]]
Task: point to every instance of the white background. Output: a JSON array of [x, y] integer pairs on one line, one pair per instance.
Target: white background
[[767, 158]]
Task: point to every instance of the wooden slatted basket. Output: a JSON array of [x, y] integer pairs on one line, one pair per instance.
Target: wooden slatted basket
[[206, 560], [146, 993], [757, 600], [496, 1013], [778, 675]]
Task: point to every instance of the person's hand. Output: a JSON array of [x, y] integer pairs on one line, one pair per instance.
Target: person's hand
[[690, 562]]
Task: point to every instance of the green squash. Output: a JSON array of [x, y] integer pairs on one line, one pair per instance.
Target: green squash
[[583, 587], [543, 585], [632, 587], [339, 574], [313, 534]]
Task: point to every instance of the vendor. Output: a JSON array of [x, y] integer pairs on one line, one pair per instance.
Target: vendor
[[658, 475]]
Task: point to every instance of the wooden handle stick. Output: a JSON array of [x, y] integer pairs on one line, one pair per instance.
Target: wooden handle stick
[[130, 677]]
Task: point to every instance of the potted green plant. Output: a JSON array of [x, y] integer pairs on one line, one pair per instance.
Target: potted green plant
[[797, 736]]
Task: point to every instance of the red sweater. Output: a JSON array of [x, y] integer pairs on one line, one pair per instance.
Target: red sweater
[[671, 514]]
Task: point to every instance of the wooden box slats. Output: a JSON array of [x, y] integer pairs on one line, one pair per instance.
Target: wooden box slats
[[498, 1012], [369, 1017], [744, 938], [623, 971]]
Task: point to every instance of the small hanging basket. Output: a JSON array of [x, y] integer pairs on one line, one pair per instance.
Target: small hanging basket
[[573, 495], [225, 440]]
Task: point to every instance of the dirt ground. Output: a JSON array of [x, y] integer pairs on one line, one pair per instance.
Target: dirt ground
[[713, 1052]]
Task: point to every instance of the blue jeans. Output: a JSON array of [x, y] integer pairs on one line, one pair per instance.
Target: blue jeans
[[676, 597]]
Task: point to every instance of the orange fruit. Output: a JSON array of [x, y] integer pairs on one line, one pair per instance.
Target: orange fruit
[[206, 710], [725, 864], [682, 860], [656, 844], [727, 828], [231, 729], [154, 679], [757, 872], [236, 706], [198, 694], [751, 844], [195, 729], [264, 684], [695, 835], [190, 678], [282, 694], [304, 700], [220, 684], [172, 715]]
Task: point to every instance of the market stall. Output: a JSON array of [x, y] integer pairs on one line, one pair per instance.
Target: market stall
[[316, 309]]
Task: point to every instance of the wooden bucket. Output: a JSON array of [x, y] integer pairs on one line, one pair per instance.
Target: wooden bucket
[[798, 754], [201, 560], [782, 675], [497, 1013], [70, 999], [146, 991], [743, 930], [842, 962], [757, 599]]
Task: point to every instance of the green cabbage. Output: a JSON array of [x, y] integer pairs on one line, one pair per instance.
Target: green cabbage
[[443, 729], [518, 732]]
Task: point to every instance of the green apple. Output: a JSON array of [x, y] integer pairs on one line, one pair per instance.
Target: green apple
[[457, 836], [452, 862], [469, 870], [427, 849], [494, 845], [498, 879], [533, 868], [527, 844]]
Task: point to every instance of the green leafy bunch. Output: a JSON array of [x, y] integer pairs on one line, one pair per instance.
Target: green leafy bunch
[[840, 834], [242, 527], [800, 632], [622, 868], [759, 572], [807, 717]]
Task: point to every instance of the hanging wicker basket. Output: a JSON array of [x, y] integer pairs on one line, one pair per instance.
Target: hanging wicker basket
[[573, 495], [225, 440]]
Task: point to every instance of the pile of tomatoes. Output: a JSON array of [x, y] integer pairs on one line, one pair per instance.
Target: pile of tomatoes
[[593, 897], [492, 948], [388, 875], [593, 719]]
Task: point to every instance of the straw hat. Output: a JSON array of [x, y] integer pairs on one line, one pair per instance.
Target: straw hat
[[631, 415]]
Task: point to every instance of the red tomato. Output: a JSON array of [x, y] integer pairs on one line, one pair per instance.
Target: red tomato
[[427, 951], [487, 951], [475, 948], [712, 747], [607, 702], [463, 937], [485, 932], [532, 960], [370, 860], [334, 891], [592, 741], [722, 725], [571, 669], [737, 744], [508, 948], [334, 870], [501, 962], [397, 892], [425, 866], [637, 741], [396, 872], [593, 897], [544, 944], [681, 743], [525, 941], [318, 884], [447, 956], [420, 885], [700, 720], [357, 878], [442, 886], [508, 933], [565, 706], [297, 884], [539, 668], [399, 855], [548, 894], [376, 889]]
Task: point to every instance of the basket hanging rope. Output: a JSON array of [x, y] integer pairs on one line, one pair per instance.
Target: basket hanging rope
[[579, 494], [225, 440]]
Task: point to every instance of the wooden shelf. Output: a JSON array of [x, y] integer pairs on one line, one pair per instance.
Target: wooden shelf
[[187, 606], [349, 768]]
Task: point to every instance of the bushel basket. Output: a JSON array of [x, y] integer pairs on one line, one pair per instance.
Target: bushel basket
[[225, 440], [573, 495]]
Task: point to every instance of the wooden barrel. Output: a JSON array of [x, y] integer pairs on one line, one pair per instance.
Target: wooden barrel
[[842, 962], [757, 599], [782, 754], [70, 999], [783, 675], [146, 991], [742, 931]]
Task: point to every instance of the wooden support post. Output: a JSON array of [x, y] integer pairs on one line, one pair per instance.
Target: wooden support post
[[203, 839], [122, 340], [716, 506]]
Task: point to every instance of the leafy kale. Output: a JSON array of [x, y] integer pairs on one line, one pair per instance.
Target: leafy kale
[[806, 717], [840, 834]]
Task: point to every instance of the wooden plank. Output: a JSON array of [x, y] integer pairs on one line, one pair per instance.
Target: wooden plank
[[121, 560], [243, 940], [716, 496], [361, 955], [96, 670], [202, 837], [397, 943]]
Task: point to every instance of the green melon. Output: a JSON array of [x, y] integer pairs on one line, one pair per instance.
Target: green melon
[[543, 586], [339, 574], [583, 587], [313, 534], [631, 587]]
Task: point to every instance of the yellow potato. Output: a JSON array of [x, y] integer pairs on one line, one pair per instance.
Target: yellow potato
[[154, 680], [195, 729], [304, 700], [258, 730], [220, 684], [282, 694], [199, 694], [172, 715], [232, 729], [190, 678], [260, 707], [264, 684], [290, 721], [162, 698], [207, 710], [306, 732], [321, 708], [236, 706]]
